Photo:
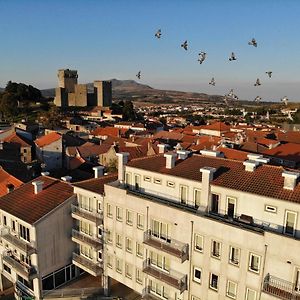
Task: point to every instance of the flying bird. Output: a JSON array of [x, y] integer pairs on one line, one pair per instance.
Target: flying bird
[[184, 45], [138, 75], [257, 99], [285, 100], [212, 82], [158, 33], [257, 83], [269, 73], [202, 57], [253, 43], [232, 56]]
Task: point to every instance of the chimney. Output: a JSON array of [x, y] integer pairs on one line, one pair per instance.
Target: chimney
[[45, 173], [207, 177], [258, 157], [250, 165], [212, 153], [290, 179], [170, 159], [162, 148], [10, 187], [98, 171], [183, 154], [38, 186], [122, 161], [66, 178]]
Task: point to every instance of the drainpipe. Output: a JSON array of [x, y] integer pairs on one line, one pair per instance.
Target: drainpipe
[[262, 272], [190, 259]]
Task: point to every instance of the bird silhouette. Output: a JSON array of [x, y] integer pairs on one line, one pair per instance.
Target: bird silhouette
[[253, 43], [138, 75], [257, 83], [202, 57], [184, 45], [269, 73], [232, 56], [212, 82], [158, 33]]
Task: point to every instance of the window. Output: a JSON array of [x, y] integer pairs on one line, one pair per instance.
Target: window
[[119, 265], [157, 181], [109, 210], [6, 268], [139, 276], [254, 263], [109, 237], [197, 197], [216, 249], [100, 231], [160, 230], [158, 289], [139, 250], [250, 294], [109, 261], [171, 184], [85, 203], [24, 232], [99, 206], [140, 221], [231, 203], [119, 213], [234, 256], [147, 178], [297, 279], [129, 217], [159, 261], [137, 181], [99, 256], [271, 209], [86, 251], [198, 242], [128, 270], [195, 298], [4, 220], [183, 194], [197, 274], [231, 289], [127, 179], [118, 240], [128, 245], [290, 222], [215, 203], [13, 225], [85, 227], [213, 282]]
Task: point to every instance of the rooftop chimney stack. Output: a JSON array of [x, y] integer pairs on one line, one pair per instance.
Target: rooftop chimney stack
[[66, 178], [250, 165], [212, 153], [290, 179], [38, 186], [98, 171], [122, 161], [258, 157], [45, 173], [183, 154], [170, 160], [207, 177], [162, 148]]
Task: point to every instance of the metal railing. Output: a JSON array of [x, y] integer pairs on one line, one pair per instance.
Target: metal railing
[[65, 293], [91, 240], [280, 288], [168, 245], [23, 291], [15, 240], [96, 268], [93, 215], [171, 277]]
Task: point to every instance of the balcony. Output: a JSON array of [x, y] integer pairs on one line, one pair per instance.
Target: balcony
[[93, 216], [280, 288], [171, 277], [21, 268], [15, 240], [81, 237], [94, 268], [23, 291], [147, 295], [169, 246]]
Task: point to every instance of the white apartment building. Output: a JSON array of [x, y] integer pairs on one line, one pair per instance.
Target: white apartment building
[[36, 248], [202, 227]]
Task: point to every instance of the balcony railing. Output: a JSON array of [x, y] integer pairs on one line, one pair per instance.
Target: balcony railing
[[170, 246], [21, 268], [147, 295], [280, 288], [171, 277], [14, 239], [93, 241], [94, 268], [82, 293], [93, 216], [23, 291]]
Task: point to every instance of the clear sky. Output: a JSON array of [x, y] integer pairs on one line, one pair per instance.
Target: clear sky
[[107, 39]]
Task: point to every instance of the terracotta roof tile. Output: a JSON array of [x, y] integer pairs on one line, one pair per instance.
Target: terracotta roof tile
[[7, 179], [289, 151], [47, 139], [15, 139]]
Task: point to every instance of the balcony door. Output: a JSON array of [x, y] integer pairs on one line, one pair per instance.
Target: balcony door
[[215, 203], [231, 206]]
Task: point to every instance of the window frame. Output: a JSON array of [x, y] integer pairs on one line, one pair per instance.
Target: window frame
[[119, 213], [227, 286], [285, 222], [138, 224], [210, 281], [195, 238], [230, 255], [247, 293], [250, 261], [194, 197], [198, 280], [128, 222], [212, 249]]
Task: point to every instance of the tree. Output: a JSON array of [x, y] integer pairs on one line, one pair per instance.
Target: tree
[[51, 119], [128, 111], [8, 105]]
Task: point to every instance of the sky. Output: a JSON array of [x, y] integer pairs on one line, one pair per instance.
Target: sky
[[115, 39]]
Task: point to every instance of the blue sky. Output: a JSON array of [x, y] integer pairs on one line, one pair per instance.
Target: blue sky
[[115, 39]]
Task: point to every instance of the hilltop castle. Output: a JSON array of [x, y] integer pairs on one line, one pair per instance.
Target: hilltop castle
[[70, 93]]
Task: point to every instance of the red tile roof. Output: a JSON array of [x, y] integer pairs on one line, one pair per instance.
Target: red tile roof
[[47, 139], [30, 207], [17, 140], [290, 136], [234, 153], [7, 179], [106, 131], [289, 151], [266, 180], [218, 126]]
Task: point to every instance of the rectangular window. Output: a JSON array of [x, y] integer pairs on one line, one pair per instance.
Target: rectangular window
[[216, 249], [85, 227], [100, 231], [119, 265], [129, 245], [119, 213], [4, 221], [129, 217], [85, 203], [290, 222], [99, 206], [231, 289], [109, 210], [127, 179], [137, 182], [160, 230], [128, 270], [99, 256], [139, 250], [139, 276], [183, 194], [213, 282], [234, 256], [158, 289], [198, 242], [147, 178], [109, 237], [140, 221], [159, 261], [254, 263], [215, 203], [197, 274], [250, 294], [86, 251], [171, 184], [13, 225], [197, 197], [271, 209], [231, 206], [157, 181], [109, 262], [118, 240], [24, 233]]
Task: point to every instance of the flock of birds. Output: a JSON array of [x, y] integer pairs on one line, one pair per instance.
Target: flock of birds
[[201, 58]]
